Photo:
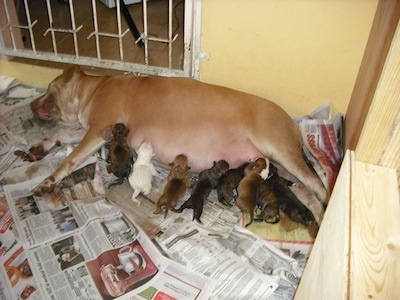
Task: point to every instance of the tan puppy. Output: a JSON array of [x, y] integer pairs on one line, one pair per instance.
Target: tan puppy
[[178, 182], [120, 157], [254, 175], [169, 112]]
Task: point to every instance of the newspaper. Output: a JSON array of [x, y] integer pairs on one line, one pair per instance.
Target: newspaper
[[228, 260], [85, 248], [322, 141]]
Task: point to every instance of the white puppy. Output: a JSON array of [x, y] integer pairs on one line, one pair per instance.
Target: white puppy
[[143, 171]]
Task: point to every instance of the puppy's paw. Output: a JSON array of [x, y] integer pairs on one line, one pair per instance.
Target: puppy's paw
[[45, 187]]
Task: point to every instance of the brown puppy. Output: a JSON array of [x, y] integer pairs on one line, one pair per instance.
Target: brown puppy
[[228, 183], [208, 180], [254, 175], [178, 182], [143, 103], [268, 204], [120, 157]]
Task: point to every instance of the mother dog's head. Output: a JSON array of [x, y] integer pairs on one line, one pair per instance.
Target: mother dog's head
[[60, 103]]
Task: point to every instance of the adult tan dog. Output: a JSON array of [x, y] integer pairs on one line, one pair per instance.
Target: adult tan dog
[[176, 115]]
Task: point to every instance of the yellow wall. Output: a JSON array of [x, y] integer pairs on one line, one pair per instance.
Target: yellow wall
[[29, 74], [299, 54]]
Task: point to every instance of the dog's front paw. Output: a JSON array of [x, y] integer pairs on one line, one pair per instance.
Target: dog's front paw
[[45, 187]]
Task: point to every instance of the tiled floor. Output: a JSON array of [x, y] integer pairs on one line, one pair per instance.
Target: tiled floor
[[157, 27]]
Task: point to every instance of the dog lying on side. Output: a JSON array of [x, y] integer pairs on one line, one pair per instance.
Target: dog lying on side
[[254, 175], [228, 183], [143, 104], [178, 182], [120, 158], [143, 171], [208, 180], [288, 202]]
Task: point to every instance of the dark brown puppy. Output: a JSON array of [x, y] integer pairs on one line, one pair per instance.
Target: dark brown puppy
[[178, 182], [208, 180], [288, 201], [228, 183], [267, 203], [120, 159], [254, 175]]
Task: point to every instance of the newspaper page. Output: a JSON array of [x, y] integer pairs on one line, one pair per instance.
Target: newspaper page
[[322, 142], [86, 249]]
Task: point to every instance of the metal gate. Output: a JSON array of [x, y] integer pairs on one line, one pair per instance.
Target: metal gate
[[45, 25]]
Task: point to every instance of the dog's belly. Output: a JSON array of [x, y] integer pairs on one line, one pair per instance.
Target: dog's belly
[[201, 155]]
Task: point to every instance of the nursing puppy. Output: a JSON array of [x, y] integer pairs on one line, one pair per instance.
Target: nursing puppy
[[120, 157], [228, 183], [178, 182], [142, 173], [267, 203], [208, 180], [254, 175], [288, 202]]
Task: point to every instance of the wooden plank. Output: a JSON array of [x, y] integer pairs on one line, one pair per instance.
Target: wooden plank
[[326, 273], [375, 234], [379, 141], [383, 28]]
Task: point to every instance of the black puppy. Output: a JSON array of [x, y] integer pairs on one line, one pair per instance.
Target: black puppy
[[288, 201], [207, 181], [228, 183], [120, 157]]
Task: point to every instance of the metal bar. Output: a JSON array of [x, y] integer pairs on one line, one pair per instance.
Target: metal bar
[[145, 33], [74, 29], [10, 28], [53, 36], [121, 49], [170, 41], [96, 29], [30, 25]]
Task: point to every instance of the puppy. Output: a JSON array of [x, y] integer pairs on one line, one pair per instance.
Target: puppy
[[142, 173], [268, 204], [228, 183], [120, 157], [178, 182], [196, 200], [254, 175], [208, 180], [288, 201]]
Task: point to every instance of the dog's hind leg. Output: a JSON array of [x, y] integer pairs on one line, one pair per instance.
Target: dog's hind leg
[[90, 143], [134, 197], [296, 165]]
